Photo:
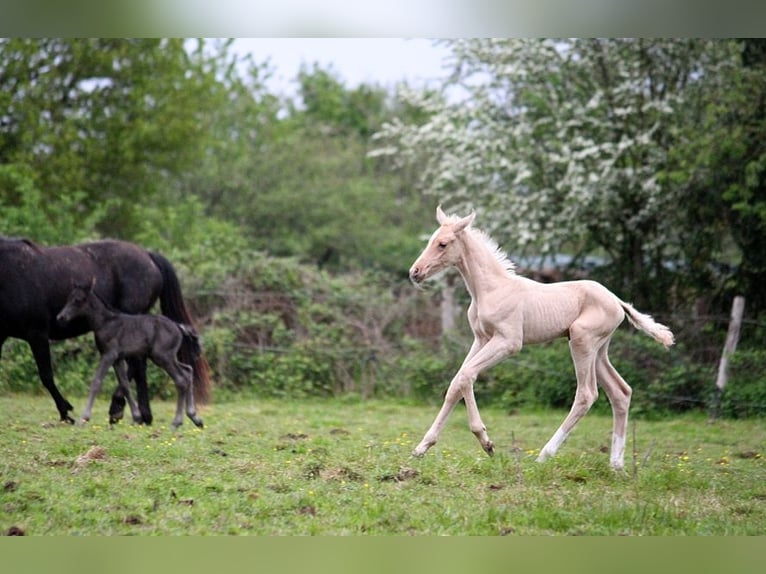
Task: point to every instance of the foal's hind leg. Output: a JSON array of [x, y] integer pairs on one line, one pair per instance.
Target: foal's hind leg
[[584, 352], [191, 406], [183, 376], [619, 393]]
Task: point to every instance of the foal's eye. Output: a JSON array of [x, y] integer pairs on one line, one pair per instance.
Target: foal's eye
[[442, 245]]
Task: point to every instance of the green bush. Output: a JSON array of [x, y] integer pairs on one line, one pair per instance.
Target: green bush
[[543, 375], [539, 375], [18, 372], [745, 391], [422, 373]]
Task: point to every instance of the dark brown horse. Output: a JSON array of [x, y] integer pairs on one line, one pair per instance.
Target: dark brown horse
[[35, 282], [120, 336]]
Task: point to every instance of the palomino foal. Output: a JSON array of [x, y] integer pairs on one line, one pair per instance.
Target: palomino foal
[[508, 310]]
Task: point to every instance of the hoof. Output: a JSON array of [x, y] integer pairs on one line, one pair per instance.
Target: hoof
[[423, 446], [64, 413]]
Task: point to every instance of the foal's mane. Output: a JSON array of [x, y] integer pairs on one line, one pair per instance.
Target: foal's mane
[[490, 244], [494, 248], [106, 304]]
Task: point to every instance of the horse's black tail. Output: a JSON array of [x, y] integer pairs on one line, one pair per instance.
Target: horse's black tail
[[174, 307]]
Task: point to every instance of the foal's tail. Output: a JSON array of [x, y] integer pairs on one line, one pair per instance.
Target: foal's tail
[[174, 307], [192, 339], [648, 325]]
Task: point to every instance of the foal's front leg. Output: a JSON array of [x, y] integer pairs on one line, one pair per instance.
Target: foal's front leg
[[107, 360], [479, 358], [450, 400]]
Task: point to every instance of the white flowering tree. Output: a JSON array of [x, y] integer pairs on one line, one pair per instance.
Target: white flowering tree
[[564, 145]]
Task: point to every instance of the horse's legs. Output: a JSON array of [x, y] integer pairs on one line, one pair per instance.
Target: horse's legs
[[121, 370], [584, 351], [107, 360], [619, 393], [117, 406], [42, 353], [479, 358]]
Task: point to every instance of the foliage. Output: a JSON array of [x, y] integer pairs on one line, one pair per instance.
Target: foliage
[[327, 103], [112, 122], [303, 186], [745, 392], [726, 171], [25, 207], [319, 199], [276, 327], [342, 467]]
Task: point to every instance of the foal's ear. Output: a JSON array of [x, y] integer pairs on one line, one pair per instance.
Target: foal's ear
[[441, 217], [465, 222]]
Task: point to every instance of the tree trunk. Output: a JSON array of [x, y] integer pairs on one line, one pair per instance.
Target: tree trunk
[[449, 309]]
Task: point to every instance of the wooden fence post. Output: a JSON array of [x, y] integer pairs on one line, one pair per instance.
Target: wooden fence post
[[449, 308], [732, 338]]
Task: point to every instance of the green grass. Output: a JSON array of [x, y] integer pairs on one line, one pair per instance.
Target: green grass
[[340, 467]]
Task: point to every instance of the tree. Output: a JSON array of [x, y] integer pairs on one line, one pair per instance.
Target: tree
[[115, 122], [563, 146], [307, 188], [724, 169], [745, 173]]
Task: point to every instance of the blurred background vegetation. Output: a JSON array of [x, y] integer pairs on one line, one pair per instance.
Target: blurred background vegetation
[[292, 221]]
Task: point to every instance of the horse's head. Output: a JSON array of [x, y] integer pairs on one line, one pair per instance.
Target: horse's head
[[443, 249]]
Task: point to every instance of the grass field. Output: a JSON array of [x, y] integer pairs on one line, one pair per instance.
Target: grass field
[[342, 467]]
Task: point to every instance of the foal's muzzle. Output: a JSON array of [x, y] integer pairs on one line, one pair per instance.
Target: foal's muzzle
[[416, 275]]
